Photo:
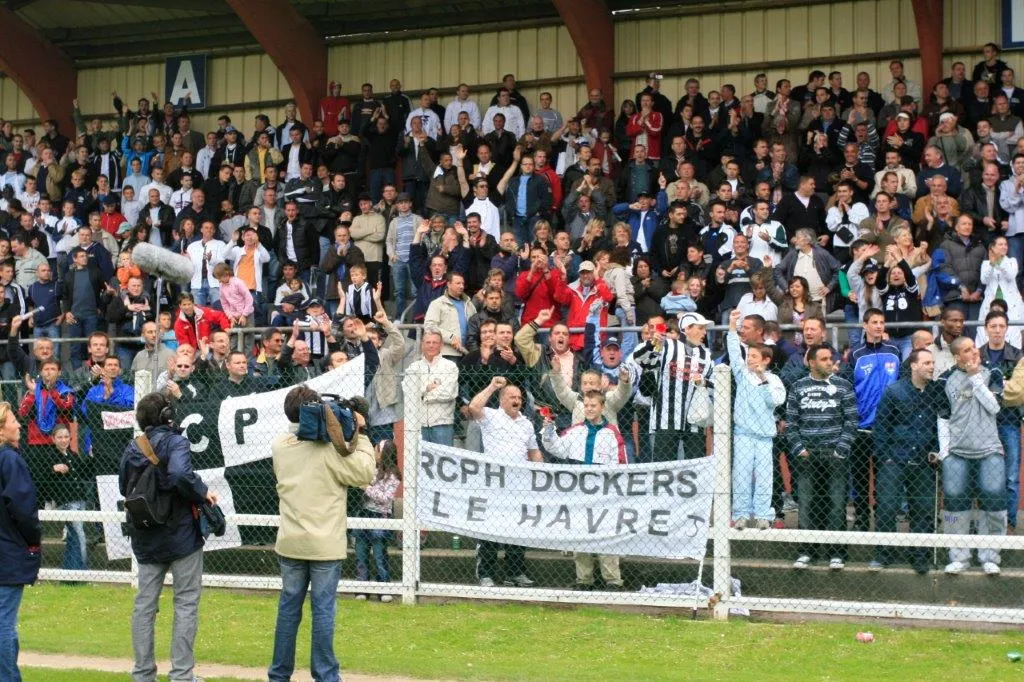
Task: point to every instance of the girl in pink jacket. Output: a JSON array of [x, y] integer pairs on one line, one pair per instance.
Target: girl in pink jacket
[[235, 299]]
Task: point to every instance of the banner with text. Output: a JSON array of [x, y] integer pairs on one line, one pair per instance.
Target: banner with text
[[657, 510]]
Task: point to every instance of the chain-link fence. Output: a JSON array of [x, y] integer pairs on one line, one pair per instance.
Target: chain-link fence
[[668, 475]]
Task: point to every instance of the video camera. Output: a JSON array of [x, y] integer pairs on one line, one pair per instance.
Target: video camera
[[313, 419]]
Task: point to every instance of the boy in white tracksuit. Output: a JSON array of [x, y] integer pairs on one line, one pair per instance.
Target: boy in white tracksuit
[[592, 441], [758, 393]]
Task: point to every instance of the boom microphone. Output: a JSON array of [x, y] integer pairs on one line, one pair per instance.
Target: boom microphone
[[162, 263]]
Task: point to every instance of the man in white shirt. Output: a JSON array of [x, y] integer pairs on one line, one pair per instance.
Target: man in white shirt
[[30, 196], [514, 122], [130, 206], [896, 69], [437, 381], [11, 177], [205, 254], [249, 259], [458, 105], [507, 435], [180, 198], [158, 184], [205, 155], [431, 122]]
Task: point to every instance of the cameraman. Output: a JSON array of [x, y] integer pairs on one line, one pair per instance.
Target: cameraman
[[311, 541], [176, 546]]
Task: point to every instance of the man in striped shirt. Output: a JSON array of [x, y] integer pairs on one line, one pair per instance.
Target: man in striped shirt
[[673, 372], [821, 422]]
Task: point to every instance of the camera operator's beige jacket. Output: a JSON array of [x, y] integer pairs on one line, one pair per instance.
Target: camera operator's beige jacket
[[311, 483]]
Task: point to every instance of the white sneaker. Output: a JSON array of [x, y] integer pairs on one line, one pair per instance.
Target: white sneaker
[[803, 561], [739, 524], [486, 582], [957, 567], [762, 524], [990, 568], [386, 598], [836, 564], [360, 597]]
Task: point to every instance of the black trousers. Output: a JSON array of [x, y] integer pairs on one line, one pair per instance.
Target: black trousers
[[666, 445], [487, 559]]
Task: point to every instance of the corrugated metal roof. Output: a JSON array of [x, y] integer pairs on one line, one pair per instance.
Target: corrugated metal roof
[[53, 14]]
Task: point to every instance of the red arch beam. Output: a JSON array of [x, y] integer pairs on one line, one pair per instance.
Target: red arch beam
[[296, 48], [928, 18], [43, 72], [590, 26]]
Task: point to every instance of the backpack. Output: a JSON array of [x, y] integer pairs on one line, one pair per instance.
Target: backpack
[[146, 505]]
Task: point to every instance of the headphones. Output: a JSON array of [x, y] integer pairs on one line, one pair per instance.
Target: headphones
[[167, 415]]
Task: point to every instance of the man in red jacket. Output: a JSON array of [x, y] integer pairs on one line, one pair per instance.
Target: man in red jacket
[[332, 107], [195, 323], [580, 296], [536, 287]]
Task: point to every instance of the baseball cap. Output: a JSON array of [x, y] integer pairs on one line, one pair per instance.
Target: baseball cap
[[870, 265], [293, 299], [404, 196], [643, 193], [906, 99], [690, 319], [611, 340], [947, 116], [903, 114], [587, 265], [313, 302]]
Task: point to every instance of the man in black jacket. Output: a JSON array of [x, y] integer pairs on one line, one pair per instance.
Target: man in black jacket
[[297, 240], [668, 250], [176, 546]]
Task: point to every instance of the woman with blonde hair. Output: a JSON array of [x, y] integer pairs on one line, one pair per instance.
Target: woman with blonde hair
[[20, 537]]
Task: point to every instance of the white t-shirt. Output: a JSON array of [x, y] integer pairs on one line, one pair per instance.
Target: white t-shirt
[[507, 438]]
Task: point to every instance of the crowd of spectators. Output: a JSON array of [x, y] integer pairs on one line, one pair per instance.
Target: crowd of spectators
[[565, 269]]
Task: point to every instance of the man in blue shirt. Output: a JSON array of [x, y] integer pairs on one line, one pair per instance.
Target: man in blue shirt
[[873, 365]]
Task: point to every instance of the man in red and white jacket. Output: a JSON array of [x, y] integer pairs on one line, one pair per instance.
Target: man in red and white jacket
[[592, 441], [590, 288]]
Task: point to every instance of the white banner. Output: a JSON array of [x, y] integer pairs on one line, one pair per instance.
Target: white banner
[[657, 510], [118, 544], [247, 424]]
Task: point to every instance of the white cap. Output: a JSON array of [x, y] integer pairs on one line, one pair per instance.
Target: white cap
[[690, 319]]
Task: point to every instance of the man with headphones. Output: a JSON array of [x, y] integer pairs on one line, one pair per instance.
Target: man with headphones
[[175, 546]]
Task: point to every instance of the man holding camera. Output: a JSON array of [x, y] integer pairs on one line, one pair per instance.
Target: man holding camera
[[312, 481], [175, 546]]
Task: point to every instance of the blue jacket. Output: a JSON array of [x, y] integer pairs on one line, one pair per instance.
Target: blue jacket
[[651, 220], [123, 396], [181, 535], [907, 420], [873, 366], [20, 531], [940, 281]]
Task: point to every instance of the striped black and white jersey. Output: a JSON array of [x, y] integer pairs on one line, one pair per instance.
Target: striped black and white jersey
[[671, 370]]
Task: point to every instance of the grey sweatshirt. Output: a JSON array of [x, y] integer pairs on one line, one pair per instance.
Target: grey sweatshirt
[[968, 408]]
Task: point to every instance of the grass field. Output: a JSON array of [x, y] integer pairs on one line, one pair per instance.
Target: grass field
[[516, 642]]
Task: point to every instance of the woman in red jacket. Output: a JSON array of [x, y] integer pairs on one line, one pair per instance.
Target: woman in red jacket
[[645, 126]]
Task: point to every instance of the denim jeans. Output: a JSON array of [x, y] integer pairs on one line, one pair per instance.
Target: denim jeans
[[74, 546], [82, 327], [1009, 435], [10, 602], [442, 434], [916, 481], [321, 578], [523, 228], [401, 279], [50, 331], [905, 344], [752, 478], [1017, 252], [821, 484], [375, 540], [853, 334], [963, 480], [206, 295], [378, 178]]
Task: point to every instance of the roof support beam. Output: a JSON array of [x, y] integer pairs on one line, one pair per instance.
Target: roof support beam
[[590, 25], [296, 47], [928, 18], [41, 70]]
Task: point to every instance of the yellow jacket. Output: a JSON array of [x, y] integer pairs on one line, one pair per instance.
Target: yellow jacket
[[311, 483], [1013, 389]]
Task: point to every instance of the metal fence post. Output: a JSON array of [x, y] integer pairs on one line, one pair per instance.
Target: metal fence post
[[410, 516], [722, 511], [143, 387]]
